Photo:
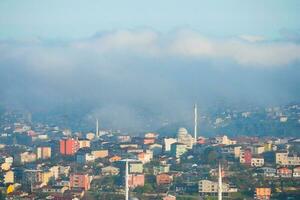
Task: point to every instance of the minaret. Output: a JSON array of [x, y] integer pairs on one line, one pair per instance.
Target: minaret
[[220, 186], [127, 177], [195, 123], [97, 128], [126, 182]]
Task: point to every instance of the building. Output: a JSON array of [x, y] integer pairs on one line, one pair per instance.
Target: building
[[145, 157], [37, 177], [124, 138], [84, 157], [169, 197], [164, 168], [156, 148], [257, 161], [168, 142], [149, 140], [100, 153], [136, 167], [110, 170], [27, 157], [210, 188], [8, 177], [90, 136], [246, 157], [68, 146], [296, 172], [268, 171], [285, 159], [258, 149], [80, 181], [43, 152], [178, 149], [262, 193], [114, 159], [164, 178], [59, 170], [284, 172], [136, 180], [233, 150], [185, 138], [84, 143], [224, 140]]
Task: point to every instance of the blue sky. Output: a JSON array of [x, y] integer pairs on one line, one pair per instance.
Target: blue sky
[[69, 19]]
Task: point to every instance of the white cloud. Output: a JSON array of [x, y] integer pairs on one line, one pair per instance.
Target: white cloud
[[245, 50]]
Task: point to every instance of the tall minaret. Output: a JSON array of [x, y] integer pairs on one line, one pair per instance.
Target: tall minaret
[[220, 186], [97, 128], [195, 123], [126, 182]]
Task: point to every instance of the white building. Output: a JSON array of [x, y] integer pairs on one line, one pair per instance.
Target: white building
[[168, 142]]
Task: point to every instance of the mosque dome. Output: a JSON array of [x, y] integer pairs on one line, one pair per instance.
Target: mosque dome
[[182, 132]]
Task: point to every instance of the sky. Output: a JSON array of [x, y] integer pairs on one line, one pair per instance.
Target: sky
[[130, 63], [79, 19]]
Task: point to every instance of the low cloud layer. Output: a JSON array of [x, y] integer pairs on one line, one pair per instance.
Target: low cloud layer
[[129, 78]]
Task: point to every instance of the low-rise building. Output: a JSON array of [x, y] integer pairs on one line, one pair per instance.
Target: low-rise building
[[27, 157], [262, 193], [136, 180], [100, 153], [257, 161], [268, 171], [145, 157], [43, 152], [110, 170], [80, 181], [136, 167], [164, 178], [296, 172], [163, 168], [210, 188], [284, 172]]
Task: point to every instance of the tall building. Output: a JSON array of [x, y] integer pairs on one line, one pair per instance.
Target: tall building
[[80, 180], [43, 152], [68, 146]]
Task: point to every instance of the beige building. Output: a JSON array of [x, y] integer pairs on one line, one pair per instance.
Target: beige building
[[9, 177], [283, 158], [257, 161], [210, 188], [100, 153], [43, 152], [84, 143], [224, 140], [59, 170], [258, 149], [27, 157], [110, 170]]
